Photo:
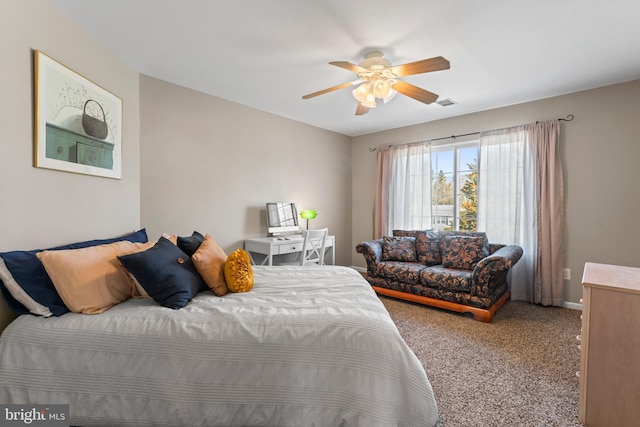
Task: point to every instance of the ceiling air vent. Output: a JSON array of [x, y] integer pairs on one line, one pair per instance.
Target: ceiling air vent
[[447, 102]]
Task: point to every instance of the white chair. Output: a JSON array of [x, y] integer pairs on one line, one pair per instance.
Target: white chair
[[312, 248]]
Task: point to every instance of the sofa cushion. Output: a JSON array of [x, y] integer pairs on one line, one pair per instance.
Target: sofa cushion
[[428, 247], [399, 249], [462, 252], [443, 233], [408, 233], [406, 272], [446, 278]]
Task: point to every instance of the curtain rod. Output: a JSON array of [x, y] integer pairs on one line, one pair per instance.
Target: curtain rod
[[569, 118]]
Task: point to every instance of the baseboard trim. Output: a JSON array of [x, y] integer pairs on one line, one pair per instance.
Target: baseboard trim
[[359, 269], [572, 305]]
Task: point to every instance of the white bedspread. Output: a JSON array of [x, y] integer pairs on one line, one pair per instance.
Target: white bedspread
[[308, 346]]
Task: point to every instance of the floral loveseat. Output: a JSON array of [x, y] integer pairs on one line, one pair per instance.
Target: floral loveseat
[[454, 270]]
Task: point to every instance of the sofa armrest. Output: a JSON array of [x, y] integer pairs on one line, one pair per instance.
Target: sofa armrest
[[372, 252], [494, 247], [491, 272]]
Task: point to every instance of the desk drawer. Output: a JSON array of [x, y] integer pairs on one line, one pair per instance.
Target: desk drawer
[[290, 248]]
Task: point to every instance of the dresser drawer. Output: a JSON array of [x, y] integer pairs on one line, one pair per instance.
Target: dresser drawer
[[290, 248], [57, 148], [94, 156]]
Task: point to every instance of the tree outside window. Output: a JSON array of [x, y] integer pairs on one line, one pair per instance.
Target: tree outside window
[[469, 199]]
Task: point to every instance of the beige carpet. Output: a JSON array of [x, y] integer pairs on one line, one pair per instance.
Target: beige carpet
[[519, 370]]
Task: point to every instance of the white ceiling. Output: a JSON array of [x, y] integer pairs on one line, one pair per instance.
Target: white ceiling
[[268, 53]]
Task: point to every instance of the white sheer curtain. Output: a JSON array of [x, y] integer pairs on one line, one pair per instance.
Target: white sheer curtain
[[506, 200], [403, 189], [520, 202]]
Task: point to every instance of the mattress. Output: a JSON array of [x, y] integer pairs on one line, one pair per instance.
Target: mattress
[[307, 346]]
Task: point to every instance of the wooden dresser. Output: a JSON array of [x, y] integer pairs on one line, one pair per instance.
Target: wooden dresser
[[610, 347]]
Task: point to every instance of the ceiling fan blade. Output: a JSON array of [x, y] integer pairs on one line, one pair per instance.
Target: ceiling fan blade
[[330, 89], [424, 66], [361, 109], [349, 66], [415, 92]]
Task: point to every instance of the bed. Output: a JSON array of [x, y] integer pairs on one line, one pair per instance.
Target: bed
[[307, 346]]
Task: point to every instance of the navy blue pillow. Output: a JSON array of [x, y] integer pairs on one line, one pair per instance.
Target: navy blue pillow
[[166, 273], [28, 271], [190, 245]]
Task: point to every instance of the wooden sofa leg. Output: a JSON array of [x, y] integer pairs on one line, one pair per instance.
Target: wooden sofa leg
[[487, 315], [479, 314]]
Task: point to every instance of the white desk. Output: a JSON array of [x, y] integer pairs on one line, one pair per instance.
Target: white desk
[[271, 247]]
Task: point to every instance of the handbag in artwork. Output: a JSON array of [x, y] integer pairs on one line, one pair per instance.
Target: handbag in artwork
[[92, 126]]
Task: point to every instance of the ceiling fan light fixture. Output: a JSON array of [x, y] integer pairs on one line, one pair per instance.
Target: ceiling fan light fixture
[[365, 95], [390, 95], [369, 103], [381, 88], [360, 93], [370, 99]]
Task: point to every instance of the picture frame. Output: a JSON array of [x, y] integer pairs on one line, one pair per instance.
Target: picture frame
[[78, 124]]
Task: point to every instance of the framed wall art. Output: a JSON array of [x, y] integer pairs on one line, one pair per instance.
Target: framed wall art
[[78, 124]]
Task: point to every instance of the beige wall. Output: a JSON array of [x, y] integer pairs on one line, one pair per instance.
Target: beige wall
[[193, 161], [211, 165], [208, 164], [43, 207], [600, 151]]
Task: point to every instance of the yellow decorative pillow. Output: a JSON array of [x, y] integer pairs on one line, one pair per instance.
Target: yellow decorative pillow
[[209, 260], [238, 272]]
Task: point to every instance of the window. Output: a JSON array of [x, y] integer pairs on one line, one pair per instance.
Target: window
[[454, 178], [428, 187]]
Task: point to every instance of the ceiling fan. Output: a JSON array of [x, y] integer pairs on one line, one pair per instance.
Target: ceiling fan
[[378, 79]]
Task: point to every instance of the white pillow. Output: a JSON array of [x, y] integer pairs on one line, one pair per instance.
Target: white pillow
[[19, 294]]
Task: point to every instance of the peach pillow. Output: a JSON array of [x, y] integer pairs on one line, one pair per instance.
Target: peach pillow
[[209, 260], [172, 237], [90, 280]]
